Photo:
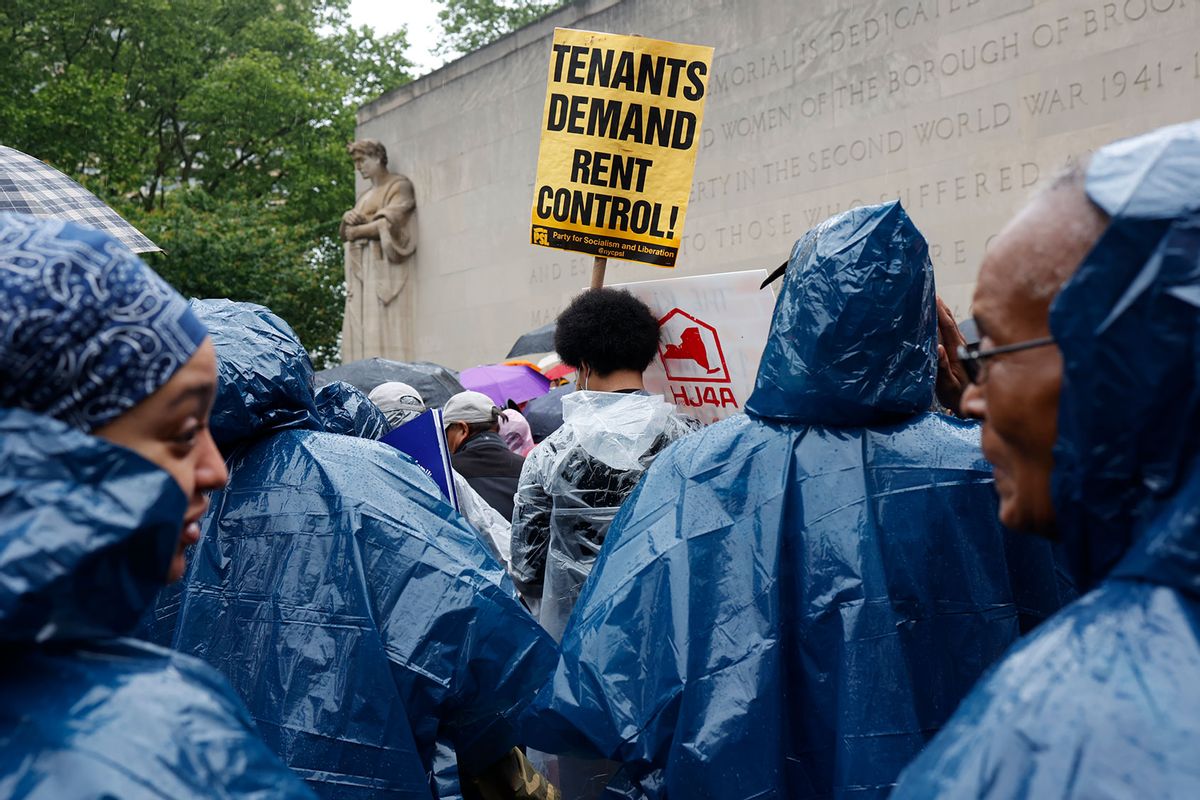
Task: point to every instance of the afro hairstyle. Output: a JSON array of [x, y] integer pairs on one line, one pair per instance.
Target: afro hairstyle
[[608, 330]]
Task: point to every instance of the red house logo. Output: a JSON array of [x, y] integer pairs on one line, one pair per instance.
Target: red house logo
[[691, 349]]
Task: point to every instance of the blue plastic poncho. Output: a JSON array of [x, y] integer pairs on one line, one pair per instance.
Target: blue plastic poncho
[[794, 600], [359, 617], [1104, 700], [345, 409], [87, 531]]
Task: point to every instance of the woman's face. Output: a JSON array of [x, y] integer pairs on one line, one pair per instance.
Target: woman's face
[[170, 429]]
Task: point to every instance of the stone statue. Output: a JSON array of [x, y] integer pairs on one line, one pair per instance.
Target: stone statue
[[380, 240]]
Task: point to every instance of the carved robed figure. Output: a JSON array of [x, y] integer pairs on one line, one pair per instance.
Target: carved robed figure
[[380, 238]]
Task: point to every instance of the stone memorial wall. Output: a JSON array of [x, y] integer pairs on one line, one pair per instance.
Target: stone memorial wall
[[959, 108]]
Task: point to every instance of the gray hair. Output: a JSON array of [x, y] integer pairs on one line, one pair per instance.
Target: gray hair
[[1082, 224]]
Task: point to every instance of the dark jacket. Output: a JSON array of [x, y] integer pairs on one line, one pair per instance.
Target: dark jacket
[[491, 468], [793, 600], [87, 532], [1104, 699], [362, 620]]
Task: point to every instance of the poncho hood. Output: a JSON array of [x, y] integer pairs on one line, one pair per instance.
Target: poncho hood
[[345, 409], [1128, 325], [616, 429], [264, 375], [852, 339], [87, 532]]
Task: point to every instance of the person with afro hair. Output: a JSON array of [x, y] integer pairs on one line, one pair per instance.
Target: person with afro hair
[[609, 337], [574, 482]]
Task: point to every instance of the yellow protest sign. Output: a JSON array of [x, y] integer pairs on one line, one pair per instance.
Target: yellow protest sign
[[620, 131]]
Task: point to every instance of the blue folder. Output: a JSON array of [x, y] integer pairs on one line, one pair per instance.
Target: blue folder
[[424, 439]]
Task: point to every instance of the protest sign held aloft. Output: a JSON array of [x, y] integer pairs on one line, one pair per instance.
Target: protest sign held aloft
[[620, 131], [713, 331]]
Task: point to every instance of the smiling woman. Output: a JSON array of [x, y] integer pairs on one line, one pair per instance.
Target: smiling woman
[[105, 461]]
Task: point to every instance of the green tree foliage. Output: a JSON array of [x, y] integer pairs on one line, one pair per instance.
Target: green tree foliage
[[218, 127], [470, 24], [292, 267]]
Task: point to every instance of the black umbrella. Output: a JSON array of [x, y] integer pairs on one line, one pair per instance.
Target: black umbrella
[[435, 382], [544, 413], [538, 340]]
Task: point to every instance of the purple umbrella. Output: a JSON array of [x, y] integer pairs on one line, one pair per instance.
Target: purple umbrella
[[504, 382]]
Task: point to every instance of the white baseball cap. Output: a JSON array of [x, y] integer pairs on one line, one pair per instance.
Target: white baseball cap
[[470, 407], [399, 402]]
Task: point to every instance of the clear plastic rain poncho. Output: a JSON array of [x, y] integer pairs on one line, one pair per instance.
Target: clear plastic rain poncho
[[793, 600], [1103, 701], [497, 531], [373, 636], [574, 483]]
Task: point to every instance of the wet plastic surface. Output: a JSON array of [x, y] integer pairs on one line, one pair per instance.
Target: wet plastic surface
[[87, 531], [270, 387], [1104, 699], [1127, 327], [497, 531], [362, 620], [572, 486], [790, 610], [854, 346], [345, 409], [81, 520]]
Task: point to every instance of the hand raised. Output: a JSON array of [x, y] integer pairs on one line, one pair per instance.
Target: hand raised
[[951, 375]]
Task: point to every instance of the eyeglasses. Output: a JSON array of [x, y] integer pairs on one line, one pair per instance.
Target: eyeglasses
[[974, 359]]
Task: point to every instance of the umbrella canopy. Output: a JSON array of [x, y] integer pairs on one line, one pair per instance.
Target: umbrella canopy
[[504, 382], [544, 414], [559, 371], [30, 186], [435, 383], [538, 340]]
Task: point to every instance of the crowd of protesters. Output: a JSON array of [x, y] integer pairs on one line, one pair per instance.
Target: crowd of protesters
[[920, 564]]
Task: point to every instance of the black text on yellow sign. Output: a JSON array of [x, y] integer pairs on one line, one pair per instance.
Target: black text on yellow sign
[[620, 132]]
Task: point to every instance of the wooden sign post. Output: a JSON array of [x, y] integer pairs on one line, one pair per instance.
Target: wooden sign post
[[598, 267]]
